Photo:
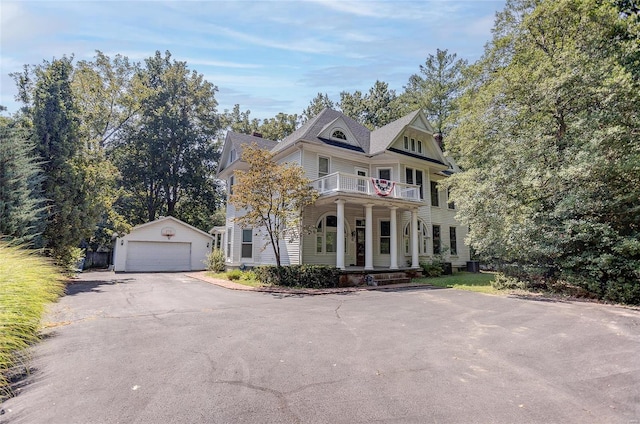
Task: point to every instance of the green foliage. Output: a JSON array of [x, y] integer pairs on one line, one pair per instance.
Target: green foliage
[[167, 157], [317, 105], [436, 89], [374, 109], [234, 274], [69, 259], [309, 276], [20, 181], [504, 282], [215, 260], [73, 178], [548, 139], [273, 196], [27, 284], [432, 269]]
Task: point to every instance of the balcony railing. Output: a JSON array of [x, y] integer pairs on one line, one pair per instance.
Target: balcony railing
[[349, 183]]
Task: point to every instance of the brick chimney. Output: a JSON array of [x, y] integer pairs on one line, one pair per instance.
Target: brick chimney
[[257, 134], [438, 137]]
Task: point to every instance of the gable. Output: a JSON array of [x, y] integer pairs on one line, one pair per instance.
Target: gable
[[337, 132]]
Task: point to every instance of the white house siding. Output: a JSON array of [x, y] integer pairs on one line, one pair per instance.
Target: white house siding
[[292, 158], [336, 163]]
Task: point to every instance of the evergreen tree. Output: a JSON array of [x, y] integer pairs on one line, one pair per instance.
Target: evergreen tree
[[20, 180]]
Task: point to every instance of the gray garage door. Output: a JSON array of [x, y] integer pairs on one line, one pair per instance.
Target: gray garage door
[[149, 256]]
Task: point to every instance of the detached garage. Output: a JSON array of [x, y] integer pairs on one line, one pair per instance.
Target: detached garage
[[164, 245]]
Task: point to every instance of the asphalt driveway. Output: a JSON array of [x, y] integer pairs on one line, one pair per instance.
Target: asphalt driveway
[[166, 348]]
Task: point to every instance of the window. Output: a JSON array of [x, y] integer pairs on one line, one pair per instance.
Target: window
[[327, 235], [436, 240], [323, 166], [384, 173], [413, 144], [339, 134], [450, 204], [232, 155], [452, 241], [419, 146], [229, 243], [362, 182], [414, 176], [247, 243], [435, 201], [419, 182], [406, 143], [408, 175], [231, 182], [385, 237], [422, 238]]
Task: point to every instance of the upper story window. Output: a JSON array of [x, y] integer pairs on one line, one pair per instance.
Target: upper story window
[[450, 203], [339, 134], [232, 181], [323, 166], [435, 199], [412, 144], [232, 155]]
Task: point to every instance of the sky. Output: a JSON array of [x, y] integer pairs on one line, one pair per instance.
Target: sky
[[268, 56]]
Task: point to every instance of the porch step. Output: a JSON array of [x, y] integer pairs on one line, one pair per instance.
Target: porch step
[[383, 279]]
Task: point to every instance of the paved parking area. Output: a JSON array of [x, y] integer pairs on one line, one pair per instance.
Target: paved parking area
[[166, 348]]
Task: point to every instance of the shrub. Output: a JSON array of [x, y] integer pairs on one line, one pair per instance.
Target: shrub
[[504, 282], [215, 261], [234, 274], [432, 269], [309, 276], [70, 259], [248, 276]]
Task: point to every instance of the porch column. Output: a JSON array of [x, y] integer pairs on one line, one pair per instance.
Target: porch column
[[368, 237], [415, 261], [394, 239], [340, 235]]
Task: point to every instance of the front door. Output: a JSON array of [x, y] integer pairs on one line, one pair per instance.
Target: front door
[[360, 246]]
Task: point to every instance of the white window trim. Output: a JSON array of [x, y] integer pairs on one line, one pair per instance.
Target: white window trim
[[379, 236], [347, 232], [242, 243], [390, 168], [328, 158]]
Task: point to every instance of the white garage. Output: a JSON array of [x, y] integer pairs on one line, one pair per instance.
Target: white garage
[[164, 245]]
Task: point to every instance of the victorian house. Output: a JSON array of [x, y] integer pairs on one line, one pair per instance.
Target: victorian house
[[380, 206]]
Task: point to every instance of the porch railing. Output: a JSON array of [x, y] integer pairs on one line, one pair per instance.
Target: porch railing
[[349, 183]]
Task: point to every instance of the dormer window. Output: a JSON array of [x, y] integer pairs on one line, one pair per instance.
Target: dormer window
[[412, 145], [339, 135], [232, 155]]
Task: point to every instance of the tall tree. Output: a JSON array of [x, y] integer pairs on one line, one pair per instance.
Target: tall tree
[[278, 127], [238, 121], [170, 153], [273, 196], [20, 181], [548, 137], [375, 109], [320, 102], [71, 181], [436, 89]]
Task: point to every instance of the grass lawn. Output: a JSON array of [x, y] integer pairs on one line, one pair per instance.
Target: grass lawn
[[246, 278], [477, 282]]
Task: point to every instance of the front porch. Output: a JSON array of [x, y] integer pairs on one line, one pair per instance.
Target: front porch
[[365, 235]]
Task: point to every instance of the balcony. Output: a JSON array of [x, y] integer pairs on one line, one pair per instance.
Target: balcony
[[339, 182]]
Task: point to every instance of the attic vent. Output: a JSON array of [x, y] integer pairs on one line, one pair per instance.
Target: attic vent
[[339, 134]]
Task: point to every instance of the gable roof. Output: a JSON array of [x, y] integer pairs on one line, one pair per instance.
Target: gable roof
[[171, 219], [314, 127], [384, 136], [237, 141]]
